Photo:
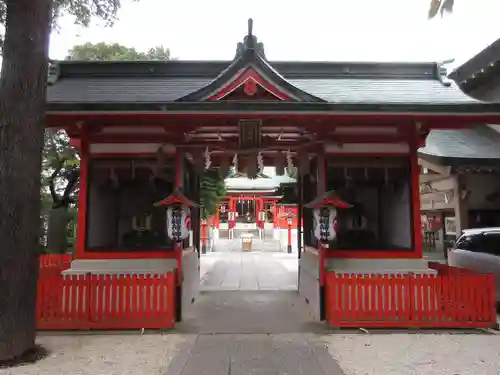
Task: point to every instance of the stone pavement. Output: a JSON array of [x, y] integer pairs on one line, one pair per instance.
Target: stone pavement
[[248, 271], [224, 245], [249, 319], [285, 354], [249, 312]]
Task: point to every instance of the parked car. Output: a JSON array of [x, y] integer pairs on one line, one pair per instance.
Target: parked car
[[479, 251]]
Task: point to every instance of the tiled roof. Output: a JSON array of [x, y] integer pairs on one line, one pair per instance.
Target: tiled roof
[[123, 89], [334, 90], [476, 145], [333, 82], [359, 90]]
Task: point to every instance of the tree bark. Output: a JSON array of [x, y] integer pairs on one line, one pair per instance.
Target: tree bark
[[22, 110]]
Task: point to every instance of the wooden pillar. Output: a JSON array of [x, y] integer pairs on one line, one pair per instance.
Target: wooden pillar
[[275, 214], [178, 246], [418, 247], [217, 217], [81, 233], [320, 189], [300, 207], [196, 212], [321, 174]]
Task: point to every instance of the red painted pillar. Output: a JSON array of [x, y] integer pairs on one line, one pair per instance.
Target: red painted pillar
[[217, 217], [323, 250], [275, 215], [203, 236], [178, 179], [289, 246]]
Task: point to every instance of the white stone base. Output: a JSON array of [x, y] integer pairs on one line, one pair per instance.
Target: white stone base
[[378, 266], [282, 236], [120, 266]]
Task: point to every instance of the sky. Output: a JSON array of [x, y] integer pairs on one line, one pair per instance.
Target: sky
[[334, 30]]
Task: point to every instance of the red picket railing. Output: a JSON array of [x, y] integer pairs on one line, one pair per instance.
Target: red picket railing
[[47, 260], [458, 300], [104, 301]]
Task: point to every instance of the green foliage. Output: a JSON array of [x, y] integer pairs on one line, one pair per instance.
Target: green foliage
[[82, 10], [115, 52], [212, 191], [85, 10], [60, 170], [440, 6]]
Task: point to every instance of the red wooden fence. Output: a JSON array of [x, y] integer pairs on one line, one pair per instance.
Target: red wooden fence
[[458, 300], [54, 259], [104, 301]]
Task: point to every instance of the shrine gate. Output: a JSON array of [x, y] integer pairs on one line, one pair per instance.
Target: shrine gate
[[147, 130]]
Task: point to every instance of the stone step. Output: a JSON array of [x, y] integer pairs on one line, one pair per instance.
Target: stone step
[[235, 245]]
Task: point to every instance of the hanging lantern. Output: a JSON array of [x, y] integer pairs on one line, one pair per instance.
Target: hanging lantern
[[178, 215], [326, 224], [262, 215]]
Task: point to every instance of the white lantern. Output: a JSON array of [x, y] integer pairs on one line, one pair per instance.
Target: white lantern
[[326, 223]]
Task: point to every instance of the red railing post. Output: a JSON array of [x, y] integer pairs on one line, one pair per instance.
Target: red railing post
[[171, 290], [88, 299]]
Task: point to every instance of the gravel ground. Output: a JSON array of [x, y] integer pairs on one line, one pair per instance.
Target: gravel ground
[[416, 354], [120, 354]]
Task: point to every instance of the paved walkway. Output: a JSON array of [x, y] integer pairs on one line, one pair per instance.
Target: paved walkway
[[249, 312], [248, 271], [249, 319], [295, 354]]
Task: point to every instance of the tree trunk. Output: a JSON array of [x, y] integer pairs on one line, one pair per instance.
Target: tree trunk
[[57, 233], [22, 110]]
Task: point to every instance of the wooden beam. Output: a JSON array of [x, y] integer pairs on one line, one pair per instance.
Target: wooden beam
[[366, 163], [431, 177], [442, 170]]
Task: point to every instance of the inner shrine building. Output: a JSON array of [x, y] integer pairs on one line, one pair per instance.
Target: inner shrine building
[[146, 129]]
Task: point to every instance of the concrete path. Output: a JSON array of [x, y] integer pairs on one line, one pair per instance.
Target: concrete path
[[249, 312], [295, 354], [249, 320], [248, 271]]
